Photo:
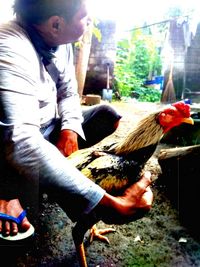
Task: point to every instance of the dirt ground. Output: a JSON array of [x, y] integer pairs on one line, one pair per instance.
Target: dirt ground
[[160, 239]]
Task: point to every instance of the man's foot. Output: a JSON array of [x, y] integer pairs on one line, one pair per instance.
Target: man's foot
[[12, 208]]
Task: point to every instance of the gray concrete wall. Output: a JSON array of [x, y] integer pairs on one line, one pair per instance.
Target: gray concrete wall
[[186, 63], [192, 68], [102, 54]]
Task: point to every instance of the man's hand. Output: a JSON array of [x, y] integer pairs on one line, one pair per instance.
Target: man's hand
[[132, 205], [137, 197], [67, 142]]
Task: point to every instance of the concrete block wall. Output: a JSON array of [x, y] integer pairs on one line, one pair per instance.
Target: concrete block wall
[[192, 65], [186, 62], [102, 54]]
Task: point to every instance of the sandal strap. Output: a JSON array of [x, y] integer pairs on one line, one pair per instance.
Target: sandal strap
[[17, 220]]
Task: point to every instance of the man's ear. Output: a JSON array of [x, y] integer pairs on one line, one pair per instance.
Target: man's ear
[[56, 23]]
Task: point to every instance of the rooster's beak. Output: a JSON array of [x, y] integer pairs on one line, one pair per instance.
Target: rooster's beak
[[188, 120]]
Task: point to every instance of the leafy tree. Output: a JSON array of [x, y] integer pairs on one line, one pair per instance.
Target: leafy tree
[[137, 58]]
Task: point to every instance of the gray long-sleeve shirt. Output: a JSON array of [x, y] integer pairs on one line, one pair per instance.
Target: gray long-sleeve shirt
[[28, 100]]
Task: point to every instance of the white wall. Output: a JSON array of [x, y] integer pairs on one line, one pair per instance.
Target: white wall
[[6, 11]]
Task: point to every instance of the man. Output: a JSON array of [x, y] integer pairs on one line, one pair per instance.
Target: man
[[40, 106]]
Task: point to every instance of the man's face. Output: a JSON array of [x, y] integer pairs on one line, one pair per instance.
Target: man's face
[[73, 30]]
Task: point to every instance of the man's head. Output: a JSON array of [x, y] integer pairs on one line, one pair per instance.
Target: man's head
[[59, 21], [38, 11]]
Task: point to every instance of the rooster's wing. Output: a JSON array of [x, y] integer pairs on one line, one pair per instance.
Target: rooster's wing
[[114, 173]]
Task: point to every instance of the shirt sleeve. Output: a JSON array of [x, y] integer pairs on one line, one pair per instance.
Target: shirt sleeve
[[69, 108], [23, 146]]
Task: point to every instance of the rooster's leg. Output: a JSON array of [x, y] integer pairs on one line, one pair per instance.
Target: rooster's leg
[[78, 233], [80, 250], [99, 233]]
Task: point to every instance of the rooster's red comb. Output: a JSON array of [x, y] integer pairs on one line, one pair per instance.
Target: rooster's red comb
[[183, 108]]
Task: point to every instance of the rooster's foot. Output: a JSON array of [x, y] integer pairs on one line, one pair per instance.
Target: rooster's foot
[[99, 234]]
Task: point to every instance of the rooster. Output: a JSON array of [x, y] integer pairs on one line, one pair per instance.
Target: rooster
[[117, 166]]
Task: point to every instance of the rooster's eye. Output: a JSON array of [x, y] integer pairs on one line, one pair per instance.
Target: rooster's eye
[[171, 112]]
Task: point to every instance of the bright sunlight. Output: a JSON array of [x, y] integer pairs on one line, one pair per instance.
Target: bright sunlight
[[127, 13]]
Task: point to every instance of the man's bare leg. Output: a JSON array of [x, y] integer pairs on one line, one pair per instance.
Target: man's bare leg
[[13, 208]]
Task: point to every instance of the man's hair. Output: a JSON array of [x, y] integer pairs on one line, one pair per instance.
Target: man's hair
[[38, 11]]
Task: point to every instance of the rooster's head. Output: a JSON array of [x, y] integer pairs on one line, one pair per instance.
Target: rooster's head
[[175, 115]]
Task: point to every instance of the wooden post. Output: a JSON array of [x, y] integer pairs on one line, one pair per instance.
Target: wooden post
[[83, 58]]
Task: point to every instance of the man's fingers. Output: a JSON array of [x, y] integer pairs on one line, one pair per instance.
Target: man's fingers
[[145, 180], [148, 197], [139, 188]]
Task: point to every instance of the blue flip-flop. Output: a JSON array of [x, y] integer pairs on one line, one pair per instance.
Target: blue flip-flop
[[18, 220]]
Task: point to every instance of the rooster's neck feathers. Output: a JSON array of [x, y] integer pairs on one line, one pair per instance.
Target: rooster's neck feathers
[[147, 132]]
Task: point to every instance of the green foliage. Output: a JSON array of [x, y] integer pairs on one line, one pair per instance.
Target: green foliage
[[137, 58], [96, 31], [148, 94]]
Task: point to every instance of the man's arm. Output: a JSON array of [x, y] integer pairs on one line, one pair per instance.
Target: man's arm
[[69, 108]]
